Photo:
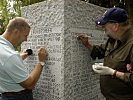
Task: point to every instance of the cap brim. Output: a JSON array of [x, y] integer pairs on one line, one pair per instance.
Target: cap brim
[[101, 21]]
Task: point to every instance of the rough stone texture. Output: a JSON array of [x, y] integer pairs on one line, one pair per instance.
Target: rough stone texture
[[55, 25]]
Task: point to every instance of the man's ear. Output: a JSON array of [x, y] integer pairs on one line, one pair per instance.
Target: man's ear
[[15, 31], [116, 27]]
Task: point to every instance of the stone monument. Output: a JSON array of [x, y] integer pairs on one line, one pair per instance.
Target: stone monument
[[55, 25]]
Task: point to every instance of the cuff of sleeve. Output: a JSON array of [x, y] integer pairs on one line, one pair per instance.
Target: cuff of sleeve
[[114, 73]]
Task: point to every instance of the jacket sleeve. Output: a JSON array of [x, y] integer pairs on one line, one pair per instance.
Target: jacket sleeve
[[98, 52], [128, 77]]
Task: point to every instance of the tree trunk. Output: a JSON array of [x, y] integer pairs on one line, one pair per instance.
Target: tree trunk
[[130, 11]]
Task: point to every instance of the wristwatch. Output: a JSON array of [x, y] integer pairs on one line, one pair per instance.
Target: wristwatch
[[42, 63]]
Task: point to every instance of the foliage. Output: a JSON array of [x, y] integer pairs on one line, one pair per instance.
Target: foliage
[[29, 2], [3, 15], [7, 13], [10, 10]]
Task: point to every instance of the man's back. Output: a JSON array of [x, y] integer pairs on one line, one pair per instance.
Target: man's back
[[11, 68]]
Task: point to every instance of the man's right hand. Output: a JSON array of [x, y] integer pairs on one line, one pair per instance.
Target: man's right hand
[[84, 38], [42, 55]]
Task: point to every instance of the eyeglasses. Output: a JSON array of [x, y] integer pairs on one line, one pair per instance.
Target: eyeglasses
[[99, 27]]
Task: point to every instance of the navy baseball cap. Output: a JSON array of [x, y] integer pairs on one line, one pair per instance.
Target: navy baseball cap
[[116, 15]]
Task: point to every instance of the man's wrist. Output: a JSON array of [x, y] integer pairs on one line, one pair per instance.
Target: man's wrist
[[90, 46], [42, 63], [114, 73]]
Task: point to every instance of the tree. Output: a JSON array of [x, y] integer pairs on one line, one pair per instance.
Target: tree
[[4, 15], [10, 9], [7, 12], [130, 10], [29, 2]]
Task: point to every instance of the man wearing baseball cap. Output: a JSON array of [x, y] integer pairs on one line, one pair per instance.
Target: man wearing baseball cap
[[116, 78]]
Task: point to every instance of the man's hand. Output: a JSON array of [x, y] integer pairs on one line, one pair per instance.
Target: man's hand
[[42, 55], [102, 70], [24, 54], [84, 38]]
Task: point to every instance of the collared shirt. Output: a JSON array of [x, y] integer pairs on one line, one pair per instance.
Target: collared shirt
[[116, 58], [12, 69]]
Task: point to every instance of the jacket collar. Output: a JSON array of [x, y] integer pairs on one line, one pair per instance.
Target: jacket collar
[[127, 36]]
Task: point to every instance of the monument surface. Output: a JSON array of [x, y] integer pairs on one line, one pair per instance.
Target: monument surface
[[55, 25]]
